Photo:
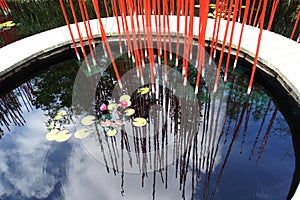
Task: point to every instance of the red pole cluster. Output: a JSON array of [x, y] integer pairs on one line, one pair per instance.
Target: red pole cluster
[[141, 22]]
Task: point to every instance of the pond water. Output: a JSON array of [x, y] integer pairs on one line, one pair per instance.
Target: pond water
[[211, 146]]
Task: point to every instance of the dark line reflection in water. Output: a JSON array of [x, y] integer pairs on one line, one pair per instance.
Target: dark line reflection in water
[[227, 154]]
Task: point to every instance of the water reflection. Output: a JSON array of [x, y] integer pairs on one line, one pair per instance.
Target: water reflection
[[236, 149]]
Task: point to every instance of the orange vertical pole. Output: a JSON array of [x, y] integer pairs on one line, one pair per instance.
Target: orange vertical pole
[[214, 41], [88, 20], [86, 31], [79, 36], [223, 47], [235, 10], [258, 45], [69, 27], [295, 26], [149, 34], [241, 34], [103, 35], [274, 6]]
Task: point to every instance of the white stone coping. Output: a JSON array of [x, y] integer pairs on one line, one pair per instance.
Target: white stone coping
[[280, 54]]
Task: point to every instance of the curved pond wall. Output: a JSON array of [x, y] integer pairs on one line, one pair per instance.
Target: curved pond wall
[[279, 57]]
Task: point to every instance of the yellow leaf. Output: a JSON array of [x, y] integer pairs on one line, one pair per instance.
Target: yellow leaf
[[125, 97], [144, 90], [62, 113], [139, 122], [81, 133], [112, 106], [51, 135], [88, 120], [58, 117], [129, 111], [111, 132]]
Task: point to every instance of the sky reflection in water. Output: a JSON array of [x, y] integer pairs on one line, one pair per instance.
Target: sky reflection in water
[[33, 168]]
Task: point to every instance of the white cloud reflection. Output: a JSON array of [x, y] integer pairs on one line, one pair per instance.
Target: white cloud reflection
[[22, 158]]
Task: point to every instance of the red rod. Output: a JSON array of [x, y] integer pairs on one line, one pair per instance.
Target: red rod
[[256, 15], [87, 31], [241, 34], [252, 10], [275, 4], [69, 27], [115, 11], [231, 38], [79, 35], [223, 47], [149, 34], [258, 45], [295, 26], [204, 9], [213, 40], [178, 25], [103, 34], [88, 20]]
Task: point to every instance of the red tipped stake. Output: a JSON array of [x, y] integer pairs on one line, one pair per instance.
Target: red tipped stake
[[69, 27], [258, 45], [103, 34], [231, 38], [213, 40], [79, 36], [241, 34], [223, 47], [87, 31], [88, 21]]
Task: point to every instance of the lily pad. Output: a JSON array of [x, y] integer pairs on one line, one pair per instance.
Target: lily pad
[[125, 97], [143, 90], [63, 136], [112, 106], [129, 111], [81, 133], [111, 132], [88, 120], [51, 135], [58, 117], [139, 122], [62, 113]]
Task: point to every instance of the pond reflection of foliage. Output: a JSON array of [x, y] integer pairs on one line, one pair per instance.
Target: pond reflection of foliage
[[53, 89]]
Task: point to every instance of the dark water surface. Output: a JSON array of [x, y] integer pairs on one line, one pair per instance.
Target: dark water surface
[[230, 147]]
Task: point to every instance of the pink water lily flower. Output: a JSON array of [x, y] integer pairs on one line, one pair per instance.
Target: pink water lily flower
[[103, 107], [124, 103]]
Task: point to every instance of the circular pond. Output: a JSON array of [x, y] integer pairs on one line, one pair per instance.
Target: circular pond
[[155, 141]]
